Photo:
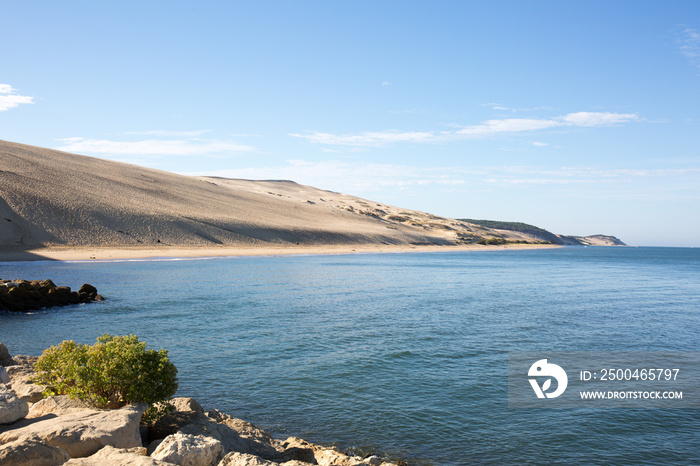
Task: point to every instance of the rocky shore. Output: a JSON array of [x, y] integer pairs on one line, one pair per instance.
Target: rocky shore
[[47, 431], [23, 295]]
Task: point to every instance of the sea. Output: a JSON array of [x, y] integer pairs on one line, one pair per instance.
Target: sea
[[399, 354]]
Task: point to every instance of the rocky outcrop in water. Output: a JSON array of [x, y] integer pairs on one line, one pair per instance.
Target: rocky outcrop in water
[[57, 430], [23, 295]]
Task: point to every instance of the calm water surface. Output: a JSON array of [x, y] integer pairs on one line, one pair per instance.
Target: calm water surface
[[402, 354]]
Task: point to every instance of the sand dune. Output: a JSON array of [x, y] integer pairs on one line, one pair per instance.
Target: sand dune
[[53, 199]]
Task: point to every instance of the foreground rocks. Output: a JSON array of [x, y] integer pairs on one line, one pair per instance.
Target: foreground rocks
[[57, 430], [23, 295]]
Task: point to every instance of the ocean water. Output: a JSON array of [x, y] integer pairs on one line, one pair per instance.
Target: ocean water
[[400, 354]]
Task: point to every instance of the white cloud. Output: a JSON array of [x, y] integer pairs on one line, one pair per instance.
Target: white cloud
[[690, 45], [485, 129], [370, 138], [9, 98], [160, 132], [515, 125], [152, 147], [497, 106], [386, 83], [507, 125], [539, 144]]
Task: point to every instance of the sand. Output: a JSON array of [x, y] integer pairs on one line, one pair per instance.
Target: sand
[[106, 254], [66, 206]]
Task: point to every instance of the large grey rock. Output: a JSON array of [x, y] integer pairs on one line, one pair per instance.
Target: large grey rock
[[12, 407], [21, 381], [61, 404], [235, 435], [189, 450], [82, 433], [31, 452], [110, 456]]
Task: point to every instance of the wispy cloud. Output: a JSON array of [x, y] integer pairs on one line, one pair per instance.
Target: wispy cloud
[[515, 125], [485, 129], [9, 98], [367, 178], [161, 132], [497, 106], [371, 138], [689, 43], [153, 147]]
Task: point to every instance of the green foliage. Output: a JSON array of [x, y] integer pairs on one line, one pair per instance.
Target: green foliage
[[109, 374], [493, 241]]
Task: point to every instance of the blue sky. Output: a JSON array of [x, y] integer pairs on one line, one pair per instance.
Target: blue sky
[[581, 117]]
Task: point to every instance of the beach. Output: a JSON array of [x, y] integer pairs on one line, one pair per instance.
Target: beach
[[115, 253]]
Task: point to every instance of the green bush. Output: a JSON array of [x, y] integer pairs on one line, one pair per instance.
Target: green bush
[[111, 373]]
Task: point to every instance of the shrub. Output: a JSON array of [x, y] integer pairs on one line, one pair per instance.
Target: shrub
[[111, 373]]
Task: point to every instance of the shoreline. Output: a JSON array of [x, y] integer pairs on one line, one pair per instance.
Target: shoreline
[[97, 253]]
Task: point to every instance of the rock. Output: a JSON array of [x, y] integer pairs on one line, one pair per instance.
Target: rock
[[5, 356], [110, 456], [152, 446], [173, 422], [31, 452], [4, 376], [62, 404], [245, 459], [24, 360], [321, 455], [88, 289], [22, 295], [373, 460], [82, 433], [189, 450], [186, 405], [235, 435], [20, 378], [12, 408]]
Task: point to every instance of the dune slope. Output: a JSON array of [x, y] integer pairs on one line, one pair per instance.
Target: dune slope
[[50, 198]]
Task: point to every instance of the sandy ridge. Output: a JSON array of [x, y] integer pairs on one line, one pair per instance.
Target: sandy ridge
[[51, 201]]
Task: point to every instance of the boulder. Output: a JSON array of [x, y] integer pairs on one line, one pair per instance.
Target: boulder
[[5, 358], [82, 433], [322, 456], [235, 435], [31, 452], [21, 380], [110, 456], [245, 459], [189, 450], [12, 408], [62, 404], [88, 289], [186, 405]]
